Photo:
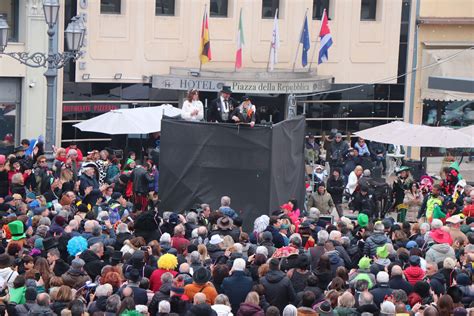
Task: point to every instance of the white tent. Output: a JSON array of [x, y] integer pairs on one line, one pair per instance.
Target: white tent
[[469, 130], [129, 121], [406, 134]]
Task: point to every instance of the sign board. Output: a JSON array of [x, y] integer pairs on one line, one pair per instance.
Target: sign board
[[94, 108], [240, 86]]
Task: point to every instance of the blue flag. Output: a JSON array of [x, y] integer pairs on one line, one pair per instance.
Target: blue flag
[[305, 41]]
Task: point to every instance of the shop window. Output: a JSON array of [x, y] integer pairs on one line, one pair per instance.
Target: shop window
[[165, 7], [269, 8], [106, 91], [219, 8], [318, 9], [9, 11], [8, 118], [368, 10], [110, 6]]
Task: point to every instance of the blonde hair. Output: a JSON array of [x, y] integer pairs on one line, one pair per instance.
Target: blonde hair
[[253, 298], [358, 168], [203, 252], [228, 241], [346, 300]]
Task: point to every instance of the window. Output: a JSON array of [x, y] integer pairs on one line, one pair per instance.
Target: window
[[368, 10], [164, 7], [9, 10], [269, 8], [318, 8], [110, 6], [219, 8]]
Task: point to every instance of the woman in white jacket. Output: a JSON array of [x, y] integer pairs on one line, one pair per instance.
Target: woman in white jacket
[[353, 180], [193, 109]]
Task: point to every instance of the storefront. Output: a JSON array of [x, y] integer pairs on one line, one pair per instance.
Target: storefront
[[10, 99]]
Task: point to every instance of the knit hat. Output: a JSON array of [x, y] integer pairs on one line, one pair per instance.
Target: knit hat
[[17, 229], [463, 279], [363, 220], [364, 263], [238, 265], [414, 260], [31, 195], [167, 262], [325, 308], [382, 252], [411, 244]]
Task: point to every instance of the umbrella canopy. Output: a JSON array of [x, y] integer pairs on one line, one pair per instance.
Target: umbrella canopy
[[129, 121], [406, 134]]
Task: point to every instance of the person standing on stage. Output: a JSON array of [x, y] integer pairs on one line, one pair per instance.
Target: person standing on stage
[[221, 109], [193, 110], [245, 113]]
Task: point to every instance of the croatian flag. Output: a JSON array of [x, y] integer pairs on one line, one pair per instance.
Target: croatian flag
[[326, 39]]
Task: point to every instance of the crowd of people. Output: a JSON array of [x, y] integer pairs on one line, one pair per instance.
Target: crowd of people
[[85, 235]]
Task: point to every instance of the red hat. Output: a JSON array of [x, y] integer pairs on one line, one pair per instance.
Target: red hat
[[286, 207], [441, 237]]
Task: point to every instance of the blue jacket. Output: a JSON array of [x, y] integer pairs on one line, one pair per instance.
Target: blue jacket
[[236, 287], [278, 239]]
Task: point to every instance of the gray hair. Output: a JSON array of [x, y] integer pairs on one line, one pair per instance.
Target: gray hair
[[96, 231], [191, 218], [113, 303], [222, 299], [44, 221], [97, 247], [290, 310], [195, 257], [238, 248], [166, 277], [262, 250], [425, 227], [296, 240], [225, 201], [164, 307], [165, 238], [199, 298], [379, 228], [122, 228], [103, 290], [323, 236]]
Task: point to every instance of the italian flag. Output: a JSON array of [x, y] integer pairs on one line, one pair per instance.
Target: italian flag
[[240, 43]]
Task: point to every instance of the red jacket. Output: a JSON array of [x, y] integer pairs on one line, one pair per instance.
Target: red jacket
[[468, 210], [179, 243], [414, 274], [155, 278]]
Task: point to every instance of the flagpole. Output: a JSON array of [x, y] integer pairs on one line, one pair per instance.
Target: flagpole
[[317, 35], [202, 33], [270, 51], [238, 30], [299, 40]]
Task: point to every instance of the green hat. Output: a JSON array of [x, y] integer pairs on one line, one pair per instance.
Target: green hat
[[382, 252], [17, 229], [363, 220], [129, 161], [402, 168], [364, 263], [438, 213]]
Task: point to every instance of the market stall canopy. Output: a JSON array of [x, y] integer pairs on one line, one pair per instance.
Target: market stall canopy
[[456, 67], [469, 130], [129, 121], [406, 134]]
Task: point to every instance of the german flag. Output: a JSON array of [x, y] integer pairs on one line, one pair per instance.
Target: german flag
[[205, 40]]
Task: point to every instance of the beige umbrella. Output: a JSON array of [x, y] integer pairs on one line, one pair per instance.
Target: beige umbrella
[[469, 130], [406, 134]]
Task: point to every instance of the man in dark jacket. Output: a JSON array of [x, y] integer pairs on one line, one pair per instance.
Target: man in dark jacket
[[140, 296], [378, 239], [200, 307], [382, 288], [436, 279], [274, 228], [397, 282], [278, 288], [141, 179], [378, 154], [335, 187], [92, 258], [338, 151], [363, 202], [220, 109], [76, 278], [42, 306], [88, 179], [238, 285]]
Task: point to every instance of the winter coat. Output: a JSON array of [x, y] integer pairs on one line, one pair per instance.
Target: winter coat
[[58, 306], [87, 182], [362, 274], [214, 251], [437, 283], [141, 179], [336, 261], [342, 252], [201, 310], [99, 305], [397, 282], [306, 311], [120, 239], [179, 305], [162, 295], [208, 289], [414, 274], [379, 292], [278, 240], [338, 151], [373, 242], [413, 202], [155, 278], [179, 243], [248, 309], [323, 202], [335, 187], [236, 287], [222, 310], [438, 252], [278, 289], [24, 309], [75, 278], [344, 311], [93, 265], [467, 294], [37, 310]]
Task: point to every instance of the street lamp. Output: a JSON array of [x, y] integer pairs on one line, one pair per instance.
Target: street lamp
[[53, 60]]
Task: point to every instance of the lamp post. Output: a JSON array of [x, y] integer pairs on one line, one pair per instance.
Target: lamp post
[[53, 60]]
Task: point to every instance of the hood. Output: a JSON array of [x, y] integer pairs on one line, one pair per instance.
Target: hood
[[274, 276], [201, 310], [89, 256], [248, 308], [438, 277], [334, 257], [441, 248], [379, 238], [415, 272], [222, 310], [165, 288]]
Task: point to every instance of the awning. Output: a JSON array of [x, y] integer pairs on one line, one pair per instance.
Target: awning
[[460, 67]]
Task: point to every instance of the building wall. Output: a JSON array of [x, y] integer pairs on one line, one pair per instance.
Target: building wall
[[137, 43], [444, 33]]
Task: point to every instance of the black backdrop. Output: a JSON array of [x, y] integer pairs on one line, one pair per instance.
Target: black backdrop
[[259, 168]]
